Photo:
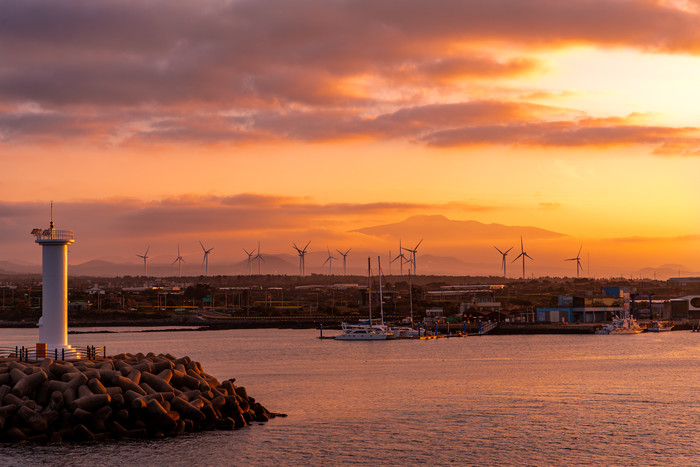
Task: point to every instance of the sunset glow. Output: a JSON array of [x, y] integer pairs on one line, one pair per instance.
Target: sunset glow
[[234, 122]]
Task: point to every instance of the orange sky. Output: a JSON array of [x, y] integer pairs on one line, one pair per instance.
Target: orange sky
[[232, 121]]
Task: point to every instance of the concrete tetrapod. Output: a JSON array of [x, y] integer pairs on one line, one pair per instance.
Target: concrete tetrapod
[[123, 396]]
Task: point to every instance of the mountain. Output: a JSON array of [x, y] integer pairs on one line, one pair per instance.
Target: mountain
[[8, 267], [100, 268], [663, 272], [441, 230]]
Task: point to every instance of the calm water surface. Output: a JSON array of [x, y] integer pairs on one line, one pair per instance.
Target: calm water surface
[[492, 400]]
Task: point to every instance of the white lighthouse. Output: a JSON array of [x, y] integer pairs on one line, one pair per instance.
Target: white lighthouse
[[53, 324]]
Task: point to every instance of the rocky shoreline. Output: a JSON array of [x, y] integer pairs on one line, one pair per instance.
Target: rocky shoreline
[[123, 396]]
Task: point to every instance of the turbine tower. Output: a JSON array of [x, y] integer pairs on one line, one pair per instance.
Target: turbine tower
[[523, 254], [329, 260], [259, 257], [145, 258], [503, 264], [413, 255], [400, 256], [179, 261], [250, 260], [579, 267], [302, 255], [53, 324], [205, 260], [345, 257]]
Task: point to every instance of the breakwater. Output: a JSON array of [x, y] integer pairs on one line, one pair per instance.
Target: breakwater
[[122, 396]]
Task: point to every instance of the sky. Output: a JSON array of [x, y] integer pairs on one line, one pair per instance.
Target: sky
[[232, 122]]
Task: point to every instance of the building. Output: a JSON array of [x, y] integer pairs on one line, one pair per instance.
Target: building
[[573, 309], [687, 307]]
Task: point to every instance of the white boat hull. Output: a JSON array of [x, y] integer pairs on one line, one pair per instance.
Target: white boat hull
[[361, 337], [364, 332]]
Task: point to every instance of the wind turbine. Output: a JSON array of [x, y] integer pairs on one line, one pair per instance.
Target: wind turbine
[[523, 254], [178, 260], [504, 259], [205, 260], [413, 255], [345, 257], [250, 261], [302, 255], [259, 257], [578, 261], [400, 256], [330, 261], [145, 258]]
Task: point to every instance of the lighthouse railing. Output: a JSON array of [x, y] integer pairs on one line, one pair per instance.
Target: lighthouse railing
[[31, 354], [53, 234]]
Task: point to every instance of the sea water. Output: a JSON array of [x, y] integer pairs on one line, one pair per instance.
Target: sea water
[[490, 400]]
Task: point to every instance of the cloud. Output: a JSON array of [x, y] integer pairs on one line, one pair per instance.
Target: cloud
[[586, 133], [116, 226], [692, 239], [222, 72]]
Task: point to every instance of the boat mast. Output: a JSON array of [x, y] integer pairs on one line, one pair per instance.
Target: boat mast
[[381, 302], [410, 296], [369, 289]]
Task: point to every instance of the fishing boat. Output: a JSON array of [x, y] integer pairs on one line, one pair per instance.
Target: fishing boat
[[659, 326], [370, 330], [621, 325]]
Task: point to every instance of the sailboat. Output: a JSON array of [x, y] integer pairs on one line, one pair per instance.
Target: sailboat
[[368, 331], [406, 332]]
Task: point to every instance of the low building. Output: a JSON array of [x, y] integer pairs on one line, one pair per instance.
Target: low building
[[573, 309], [687, 307]]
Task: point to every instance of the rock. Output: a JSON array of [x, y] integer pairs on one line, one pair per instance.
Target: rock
[[125, 396], [33, 420], [91, 402]]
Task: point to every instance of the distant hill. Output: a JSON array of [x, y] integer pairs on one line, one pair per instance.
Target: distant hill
[[441, 229], [664, 272], [8, 267]]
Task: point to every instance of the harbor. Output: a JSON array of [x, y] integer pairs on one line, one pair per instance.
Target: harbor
[[451, 398]]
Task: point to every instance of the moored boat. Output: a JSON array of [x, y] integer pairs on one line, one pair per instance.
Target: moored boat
[[659, 326], [364, 332], [369, 331], [621, 325]]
